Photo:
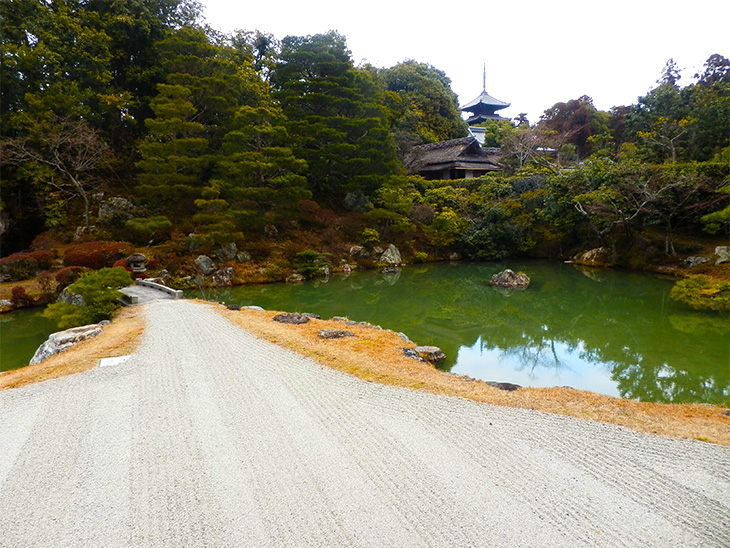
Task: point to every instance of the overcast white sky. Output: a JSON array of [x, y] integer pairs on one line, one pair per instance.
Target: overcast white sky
[[537, 53]]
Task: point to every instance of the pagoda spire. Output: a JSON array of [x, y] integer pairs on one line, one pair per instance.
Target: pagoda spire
[[484, 107]]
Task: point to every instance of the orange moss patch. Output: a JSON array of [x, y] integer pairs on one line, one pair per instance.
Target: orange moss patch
[[118, 339], [376, 355]]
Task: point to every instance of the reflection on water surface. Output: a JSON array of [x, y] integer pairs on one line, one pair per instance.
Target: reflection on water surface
[[611, 332]]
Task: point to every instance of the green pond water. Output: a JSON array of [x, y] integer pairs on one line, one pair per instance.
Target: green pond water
[[21, 333], [611, 332]]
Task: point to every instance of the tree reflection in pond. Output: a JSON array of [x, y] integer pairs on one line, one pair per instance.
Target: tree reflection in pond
[[611, 332]]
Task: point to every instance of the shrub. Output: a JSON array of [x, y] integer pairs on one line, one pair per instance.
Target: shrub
[[18, 266], [310, 263], [699, 292], [20, 297], [45, 281], [100, 292], [96, 255], [68, 275], [369, 237], [44, 258]]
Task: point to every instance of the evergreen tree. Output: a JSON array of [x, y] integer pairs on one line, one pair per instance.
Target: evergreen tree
[[336, 116]]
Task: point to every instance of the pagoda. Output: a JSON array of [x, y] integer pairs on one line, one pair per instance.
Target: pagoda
[[484, 107]]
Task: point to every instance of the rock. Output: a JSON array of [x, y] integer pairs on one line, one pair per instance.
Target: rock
[[224, 277], [61, 340], [507, 278], [599, 256], [723, 254], [227, 252], [291, 318], [357, 202], [233, 307], [312, 316], [346, 268], [243, 257], [82, 231], [454, 257], [295, 278], [391, 256], [359, 252], [116, 211], [70, 298], [430, 353], [4, 303], [421, 213], [339, 319], [334, 334], [404, 336], [696, 261], [271, 231], [205, 265], [503, 385], [251, 307], [411, 353]]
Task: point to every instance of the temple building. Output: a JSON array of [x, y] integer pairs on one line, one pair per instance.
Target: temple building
[[455, 159], [461, 158]]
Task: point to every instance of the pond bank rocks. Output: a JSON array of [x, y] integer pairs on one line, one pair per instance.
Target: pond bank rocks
[[334, 334], [62, 340]]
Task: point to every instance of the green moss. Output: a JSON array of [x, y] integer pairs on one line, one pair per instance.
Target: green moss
[[701, 293]]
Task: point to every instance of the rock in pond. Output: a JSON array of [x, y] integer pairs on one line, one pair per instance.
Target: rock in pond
[[334, 334], [507, 278], [391, 257], [62, 340], [295, 279]]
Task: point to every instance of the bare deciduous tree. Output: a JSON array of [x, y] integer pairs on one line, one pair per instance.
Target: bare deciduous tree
[[73, 150]]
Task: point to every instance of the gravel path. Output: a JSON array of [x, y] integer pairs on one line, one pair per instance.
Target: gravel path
[[210, 437]]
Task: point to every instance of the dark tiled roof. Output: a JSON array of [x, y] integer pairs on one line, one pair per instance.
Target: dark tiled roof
[[485, 99], [464, 152]]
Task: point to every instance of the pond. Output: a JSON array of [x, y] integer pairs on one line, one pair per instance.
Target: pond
[[610, 332], [21, 333]]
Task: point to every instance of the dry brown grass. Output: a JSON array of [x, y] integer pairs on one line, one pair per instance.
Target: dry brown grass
[[118, 339], [376, 355]]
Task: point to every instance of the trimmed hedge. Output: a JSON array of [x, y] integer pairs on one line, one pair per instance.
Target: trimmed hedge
[[96, 255], [18, 266]]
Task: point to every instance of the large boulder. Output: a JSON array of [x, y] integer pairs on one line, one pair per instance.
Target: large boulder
[[508, 278], [599, 256], [205, 265], [359, 252], [391, 256], [224, 277], [357, 202], [116, 211], [62, 340], [71, 298], [227, 252], [723, 254]]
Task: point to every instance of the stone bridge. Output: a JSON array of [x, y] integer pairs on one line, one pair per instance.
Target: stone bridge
[[144, 291]]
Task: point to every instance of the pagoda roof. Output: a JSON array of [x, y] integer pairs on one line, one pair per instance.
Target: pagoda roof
[[482, 101]]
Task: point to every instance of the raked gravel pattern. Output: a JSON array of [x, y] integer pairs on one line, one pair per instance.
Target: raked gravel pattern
[[209, 436]]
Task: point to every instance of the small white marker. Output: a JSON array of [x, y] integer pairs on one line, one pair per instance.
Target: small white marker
[[106, 362]]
